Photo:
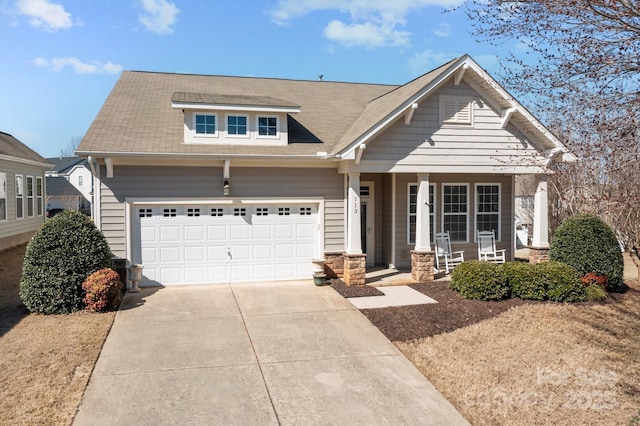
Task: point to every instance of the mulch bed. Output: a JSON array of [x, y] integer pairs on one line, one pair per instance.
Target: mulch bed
[[404, 323], [354, 290]]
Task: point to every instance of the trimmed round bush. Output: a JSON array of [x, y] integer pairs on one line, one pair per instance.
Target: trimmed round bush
[[562, 281], [523, 281], [102, 291], [480, 280], [589, 245], [60, 256], [595, 292]]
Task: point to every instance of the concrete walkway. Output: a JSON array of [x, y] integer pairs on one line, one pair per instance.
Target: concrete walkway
[[263, 354]]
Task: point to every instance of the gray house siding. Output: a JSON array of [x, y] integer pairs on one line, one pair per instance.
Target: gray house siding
[[206, 183], [426, 141], [15, 231]]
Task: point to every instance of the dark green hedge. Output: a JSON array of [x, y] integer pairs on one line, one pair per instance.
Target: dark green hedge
[[60, 256], [479, 280]]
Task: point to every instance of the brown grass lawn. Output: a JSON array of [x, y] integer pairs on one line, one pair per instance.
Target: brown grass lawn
[[542, 364], [45, 361]]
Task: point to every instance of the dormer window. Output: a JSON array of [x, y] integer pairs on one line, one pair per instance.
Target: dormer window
[[268, 126], [237, 125], [205, 124]]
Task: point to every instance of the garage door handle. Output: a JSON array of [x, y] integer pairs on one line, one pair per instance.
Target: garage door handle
[[229, 252]]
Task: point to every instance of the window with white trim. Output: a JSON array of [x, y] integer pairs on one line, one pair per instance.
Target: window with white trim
[[205, 124], [39, 196], [145, 212], [262, 211], [30, 200], [193, 212], [412, 209], [80, 180], [237, 125], [217, 212], [488, 208], [3, 196], [19, 197], [267, 126], [455, 211], [456, 110]]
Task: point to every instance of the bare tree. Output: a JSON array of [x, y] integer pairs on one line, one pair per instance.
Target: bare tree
[[70, 149], [578, 66]]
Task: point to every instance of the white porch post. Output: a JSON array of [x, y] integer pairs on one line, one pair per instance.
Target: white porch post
[[423, 242], [541, 215], [354, 243]]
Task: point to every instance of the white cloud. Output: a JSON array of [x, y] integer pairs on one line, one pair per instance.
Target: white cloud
[[366, 34], [159, 15], [442, 30], [94, 67], [427, 60], [44, 14], [373, 23]]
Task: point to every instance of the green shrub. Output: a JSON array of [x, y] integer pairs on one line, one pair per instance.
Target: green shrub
[[102, 291], [59, 257], [479, 280], [589, 245], [523, 281], [562, 282]]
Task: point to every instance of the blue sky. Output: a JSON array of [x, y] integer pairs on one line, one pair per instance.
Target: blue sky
[[59, 59]]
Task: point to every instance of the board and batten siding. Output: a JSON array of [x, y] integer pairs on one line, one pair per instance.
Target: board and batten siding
[[17, 231], [470, 248], [426, 142], [206, 183]]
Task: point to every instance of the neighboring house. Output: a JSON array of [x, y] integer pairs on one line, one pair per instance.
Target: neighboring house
[[79, 193], [207, 179], [61, 194], [22, 190]]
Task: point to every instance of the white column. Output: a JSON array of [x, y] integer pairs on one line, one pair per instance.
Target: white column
[[354, 242], [423, 242], [541, 215]]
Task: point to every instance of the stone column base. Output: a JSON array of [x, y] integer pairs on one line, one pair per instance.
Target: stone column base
[[334, 264], [354, 269], [422, 265], [538, 255]]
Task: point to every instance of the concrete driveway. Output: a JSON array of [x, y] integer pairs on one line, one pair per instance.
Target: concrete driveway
[[281, 354]]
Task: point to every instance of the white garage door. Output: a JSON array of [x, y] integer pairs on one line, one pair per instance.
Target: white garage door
[[221, 244]]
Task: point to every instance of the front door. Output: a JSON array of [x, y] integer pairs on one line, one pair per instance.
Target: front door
[[367, 231]]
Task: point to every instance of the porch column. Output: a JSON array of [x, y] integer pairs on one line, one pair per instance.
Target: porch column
[[422, 258], [354, 242], [423, 241], [539, 251], [354, 259]]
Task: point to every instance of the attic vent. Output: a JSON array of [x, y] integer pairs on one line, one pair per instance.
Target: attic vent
[[456, 110]]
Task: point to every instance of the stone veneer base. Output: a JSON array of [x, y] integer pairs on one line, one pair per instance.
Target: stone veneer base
[[422, 263], [354, 269], [538, 255]]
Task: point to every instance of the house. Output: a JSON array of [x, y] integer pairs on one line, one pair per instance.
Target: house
[[22, 190], [207, 179], [77, 194]]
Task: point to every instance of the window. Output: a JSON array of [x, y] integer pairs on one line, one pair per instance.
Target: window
[[193, 212], [3, 196], [19, 197], [30, 196], [262, 211], [455, 211], [205, 125], [267, 126], [239, 211], [169, 213], [456, 110], [284, 211], [412, 209], [145, 213], [80, 180], [39, 199], [237, 125], [217, 212], [305, 211], [488, 208]]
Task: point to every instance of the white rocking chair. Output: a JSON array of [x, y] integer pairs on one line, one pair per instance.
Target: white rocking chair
[[487, 248], [443, 251]]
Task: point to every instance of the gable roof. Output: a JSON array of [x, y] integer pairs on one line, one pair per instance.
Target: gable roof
[[64, 164], [58, 186], [14, 149], [140, 116]]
